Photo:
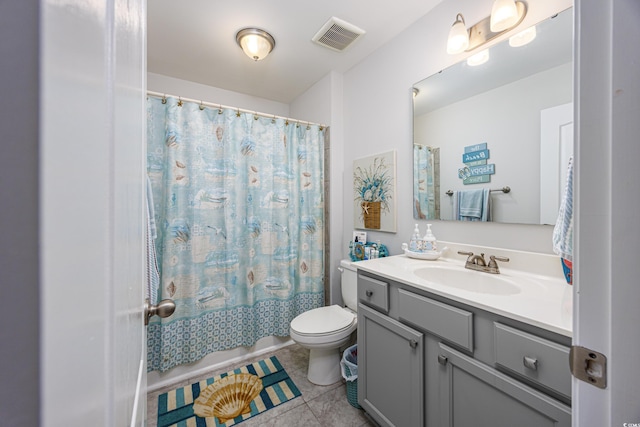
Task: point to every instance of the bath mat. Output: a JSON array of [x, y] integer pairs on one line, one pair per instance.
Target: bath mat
[[229, 398]]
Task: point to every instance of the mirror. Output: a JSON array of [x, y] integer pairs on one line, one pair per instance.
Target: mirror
[[504, 126]]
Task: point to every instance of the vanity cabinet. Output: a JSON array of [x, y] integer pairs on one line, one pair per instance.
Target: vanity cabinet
[[392, 355], [474, 394], [426, 360]]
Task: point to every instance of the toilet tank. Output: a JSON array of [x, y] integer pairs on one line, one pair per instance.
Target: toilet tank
[[349, 284]]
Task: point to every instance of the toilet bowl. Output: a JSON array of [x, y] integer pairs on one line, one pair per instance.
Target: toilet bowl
[[324, 330]]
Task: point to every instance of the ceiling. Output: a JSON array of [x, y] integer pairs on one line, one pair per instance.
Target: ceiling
[[195, 40]]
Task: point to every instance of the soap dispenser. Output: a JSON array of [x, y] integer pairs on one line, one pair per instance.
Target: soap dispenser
[[429, 241], [415, 240]]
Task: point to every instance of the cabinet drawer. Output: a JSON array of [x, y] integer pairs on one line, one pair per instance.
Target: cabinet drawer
[[449, 323], [373, 292], [538, 359]]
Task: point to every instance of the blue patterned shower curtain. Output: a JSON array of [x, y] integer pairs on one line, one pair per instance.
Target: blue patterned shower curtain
[[238, 204], [426, 182]]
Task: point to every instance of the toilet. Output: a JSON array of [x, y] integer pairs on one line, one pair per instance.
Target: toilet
[[324, 330]]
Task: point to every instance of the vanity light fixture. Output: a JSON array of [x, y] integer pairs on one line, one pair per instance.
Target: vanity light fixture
[[478, 58], [523, 37], [463, 40], [255, 43]]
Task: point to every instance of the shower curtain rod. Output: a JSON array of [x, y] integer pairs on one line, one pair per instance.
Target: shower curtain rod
[[211, 104]]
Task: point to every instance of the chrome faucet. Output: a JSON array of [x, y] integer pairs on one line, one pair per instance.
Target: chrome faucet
[[478, 263]]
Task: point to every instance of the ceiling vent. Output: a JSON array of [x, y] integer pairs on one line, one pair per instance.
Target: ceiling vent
[[337, 34]]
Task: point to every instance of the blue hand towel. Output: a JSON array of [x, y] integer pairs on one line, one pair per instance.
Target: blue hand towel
[[473, 205], [563, 230]]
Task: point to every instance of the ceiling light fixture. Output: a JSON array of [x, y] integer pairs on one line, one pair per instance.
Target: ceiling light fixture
[[255, 43], [463, 40]]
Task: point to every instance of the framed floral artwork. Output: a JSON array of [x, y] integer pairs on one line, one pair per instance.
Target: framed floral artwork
[[374, 192]]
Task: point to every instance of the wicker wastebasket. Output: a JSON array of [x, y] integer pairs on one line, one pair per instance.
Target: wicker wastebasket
[[349, 368]]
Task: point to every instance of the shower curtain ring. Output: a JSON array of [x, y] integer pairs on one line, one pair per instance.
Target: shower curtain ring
[[308, 126], [164, 99], [255, 116], [201, 106], [273, 120], [220, 109], [179, 102]]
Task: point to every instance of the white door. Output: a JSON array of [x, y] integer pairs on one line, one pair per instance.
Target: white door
[[606, 291], [556, 147], [91, 209]]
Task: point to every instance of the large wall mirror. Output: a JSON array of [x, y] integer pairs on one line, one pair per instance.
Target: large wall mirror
[[497, 136]]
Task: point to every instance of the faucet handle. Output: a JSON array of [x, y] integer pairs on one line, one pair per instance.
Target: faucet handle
[[493, 259], [469, 255]]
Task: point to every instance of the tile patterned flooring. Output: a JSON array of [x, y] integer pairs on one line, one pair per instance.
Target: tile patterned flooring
[[325, 406]]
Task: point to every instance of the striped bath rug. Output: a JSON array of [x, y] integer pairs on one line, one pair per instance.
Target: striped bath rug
[[229, 398]]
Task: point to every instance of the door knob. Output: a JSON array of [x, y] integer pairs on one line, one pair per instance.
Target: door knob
[[164, 308]]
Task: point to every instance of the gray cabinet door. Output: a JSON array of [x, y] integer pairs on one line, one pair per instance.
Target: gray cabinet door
[[390, 369], [474, 394]]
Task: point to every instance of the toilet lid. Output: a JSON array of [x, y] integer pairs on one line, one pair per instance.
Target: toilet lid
[[323, 320]]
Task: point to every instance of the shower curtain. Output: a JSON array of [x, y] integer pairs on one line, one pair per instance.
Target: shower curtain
[[426, 182], [238, 201]]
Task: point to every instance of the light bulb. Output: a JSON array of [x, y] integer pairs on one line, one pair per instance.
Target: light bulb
[[504, 15], [523, 37], [458, 40], [255, 43], [479, 58]]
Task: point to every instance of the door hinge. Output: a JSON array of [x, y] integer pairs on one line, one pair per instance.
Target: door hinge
[[588, 365]]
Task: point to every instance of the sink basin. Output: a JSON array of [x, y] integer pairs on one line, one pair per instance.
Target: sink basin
[[468, 280]]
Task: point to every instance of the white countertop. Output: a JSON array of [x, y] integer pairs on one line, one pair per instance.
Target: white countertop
[[544, 301]]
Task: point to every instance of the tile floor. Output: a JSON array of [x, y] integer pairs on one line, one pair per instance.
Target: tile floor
[[325, 406]]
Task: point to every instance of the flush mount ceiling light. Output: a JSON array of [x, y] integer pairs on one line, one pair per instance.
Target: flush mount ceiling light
[[485, 31], [255, 43]]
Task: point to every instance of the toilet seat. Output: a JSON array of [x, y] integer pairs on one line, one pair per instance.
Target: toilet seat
[[323, 321]]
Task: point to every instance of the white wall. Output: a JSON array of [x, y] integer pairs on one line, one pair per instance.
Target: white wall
[[514, 145], [187, 89], [378, 116]]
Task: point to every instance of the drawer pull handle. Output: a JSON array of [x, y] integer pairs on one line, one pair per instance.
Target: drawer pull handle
[[442, 360], [530, 362], [369, 292], [413, 343]]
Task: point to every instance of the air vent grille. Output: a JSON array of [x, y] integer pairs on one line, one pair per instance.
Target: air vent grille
[[337, 34]]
